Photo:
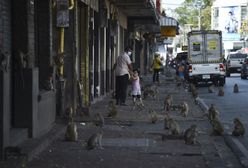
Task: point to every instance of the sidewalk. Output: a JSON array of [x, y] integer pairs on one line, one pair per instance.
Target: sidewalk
[[130, 140]]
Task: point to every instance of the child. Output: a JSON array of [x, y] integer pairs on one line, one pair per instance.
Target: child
[[136, 89]]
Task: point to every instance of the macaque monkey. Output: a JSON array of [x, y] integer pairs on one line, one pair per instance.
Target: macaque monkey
[[4, 61], [99, 120], [212, 113], [168, 102], [239, 128], [153, 116], [112, 109], [95, 141], [70, 114], [235, 88], [218, 128], [174, 128], [166, 121], [211, 89], [71, 132], [221, 91], [190, 135], [184, 109]]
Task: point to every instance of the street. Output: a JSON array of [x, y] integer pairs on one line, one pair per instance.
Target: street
[[230, 105]]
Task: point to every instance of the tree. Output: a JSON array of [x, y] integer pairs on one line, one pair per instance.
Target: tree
[[188, 13]]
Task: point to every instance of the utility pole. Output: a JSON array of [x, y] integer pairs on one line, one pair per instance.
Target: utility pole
[[199, 5]]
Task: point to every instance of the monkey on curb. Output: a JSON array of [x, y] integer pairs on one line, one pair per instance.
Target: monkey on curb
[[95, 141], [212, 113], [235, 88], [218, 128], [190, 135], [184, 109], [239, 129]]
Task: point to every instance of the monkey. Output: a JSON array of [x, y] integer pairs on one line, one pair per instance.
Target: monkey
[[112, 109], [99, 120], [69, 112], [190, 135], [168, 102], [221, 91], [71, 132], [239, 129], [212, 113], [218, 128], [211, 89], [194, 93], [174, 128], [235, 88], [191, 87], [153, 116], [184, 109], [94, 141], [166, 119]]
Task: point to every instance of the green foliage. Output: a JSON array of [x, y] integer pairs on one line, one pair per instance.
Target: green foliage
[[188, 13]]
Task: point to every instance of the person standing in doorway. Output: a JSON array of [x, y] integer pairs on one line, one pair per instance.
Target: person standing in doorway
[[122, 67], [156, 66]]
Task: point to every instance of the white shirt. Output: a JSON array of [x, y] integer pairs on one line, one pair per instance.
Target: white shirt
[[122, 64]]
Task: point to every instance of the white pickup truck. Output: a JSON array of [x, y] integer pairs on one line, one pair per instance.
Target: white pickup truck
[[205, 57]]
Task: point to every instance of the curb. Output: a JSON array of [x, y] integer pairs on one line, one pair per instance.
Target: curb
[[233, 143]]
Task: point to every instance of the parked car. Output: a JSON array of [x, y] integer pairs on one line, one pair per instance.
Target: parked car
[[234, 62], [244, 69]]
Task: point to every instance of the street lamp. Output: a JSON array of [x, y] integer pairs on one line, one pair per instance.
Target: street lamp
[[199, 5]]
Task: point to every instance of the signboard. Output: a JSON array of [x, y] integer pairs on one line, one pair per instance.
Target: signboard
[[168, 31], [62, 13], [230, 22], [184, 48]]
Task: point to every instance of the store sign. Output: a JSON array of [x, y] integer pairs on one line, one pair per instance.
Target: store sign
[[168, 31]]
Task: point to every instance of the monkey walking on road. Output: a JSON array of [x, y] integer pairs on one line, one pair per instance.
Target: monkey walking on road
[[212, 113], [218, 128], [239, 129], [174, 128], [235, 88], [221, 91], [112, 109], [71, 132], [153, 116]]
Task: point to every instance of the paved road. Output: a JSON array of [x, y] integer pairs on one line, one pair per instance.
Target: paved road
[[231, 105]]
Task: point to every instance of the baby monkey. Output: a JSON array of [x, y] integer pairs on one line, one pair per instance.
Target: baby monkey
[[95, 141], [239, 129], [190, 135]]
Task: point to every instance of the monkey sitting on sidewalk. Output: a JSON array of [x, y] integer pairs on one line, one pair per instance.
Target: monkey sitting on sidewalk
[[239, 129]]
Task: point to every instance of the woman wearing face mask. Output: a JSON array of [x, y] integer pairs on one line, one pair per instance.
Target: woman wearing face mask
[[122, 67]]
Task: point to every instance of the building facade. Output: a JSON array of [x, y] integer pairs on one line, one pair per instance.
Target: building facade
[[59, 54]]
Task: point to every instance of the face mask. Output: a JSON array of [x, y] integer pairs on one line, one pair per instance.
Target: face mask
[[129, 53]]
